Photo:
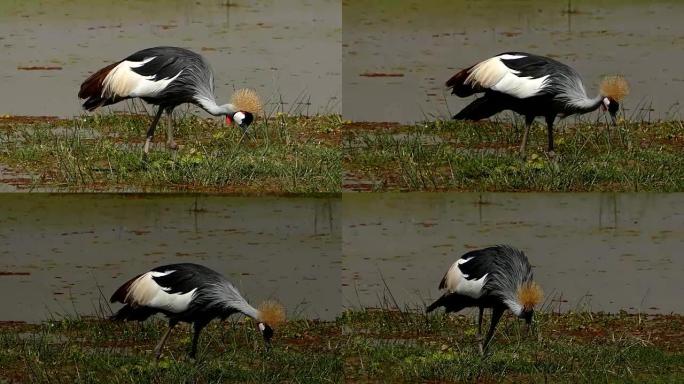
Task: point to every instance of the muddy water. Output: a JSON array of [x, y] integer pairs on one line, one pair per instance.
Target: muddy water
[[57, 252], [288, 48], [604, 252], [426, 42]]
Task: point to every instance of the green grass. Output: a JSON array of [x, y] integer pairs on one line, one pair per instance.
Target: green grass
[[83, 350], [368, 345], [393, 346], [484, 156], [284, 154]]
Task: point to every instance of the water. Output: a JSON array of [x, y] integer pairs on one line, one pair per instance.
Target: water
[[57, 252], [603, 252], [428, 41], [284, 48]]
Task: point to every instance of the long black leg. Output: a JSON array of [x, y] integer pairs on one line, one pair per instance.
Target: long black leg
[[479, 329], [150, 130], [479, 323], [169, 129], [549, 126], [160, 345], [528, 123], [197, 327], [496, 316]]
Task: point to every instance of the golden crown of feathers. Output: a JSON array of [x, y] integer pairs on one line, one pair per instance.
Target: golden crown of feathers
[[247, 100], [615, 87]]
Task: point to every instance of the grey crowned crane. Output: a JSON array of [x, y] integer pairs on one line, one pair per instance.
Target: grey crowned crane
[[189, 293], [498, 277], [166, 77], [532, 86]]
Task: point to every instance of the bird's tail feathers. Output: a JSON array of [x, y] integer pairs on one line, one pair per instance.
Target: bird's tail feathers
[[91, 89], [479, 109], [130, 313], [441, 302], [458, 85], [122, 292], [452, 302]]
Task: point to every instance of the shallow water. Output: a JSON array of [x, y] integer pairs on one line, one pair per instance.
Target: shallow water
[[284, 48], [58, 252], [428, 41], [603, 252]]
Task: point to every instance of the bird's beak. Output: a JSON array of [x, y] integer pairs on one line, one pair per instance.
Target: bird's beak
[[267, 333], [529, 326]]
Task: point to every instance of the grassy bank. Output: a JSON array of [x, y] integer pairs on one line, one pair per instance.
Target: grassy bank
[[283, 154], [360, 346], [76, 351], [483, 156]]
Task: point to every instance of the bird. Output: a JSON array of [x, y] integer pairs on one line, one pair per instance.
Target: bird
[[190, 293], [498, 277], [166, 77], [532, 86]]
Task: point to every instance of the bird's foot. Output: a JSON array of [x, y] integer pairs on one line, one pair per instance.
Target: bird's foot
[[551, 154], [172, 145]]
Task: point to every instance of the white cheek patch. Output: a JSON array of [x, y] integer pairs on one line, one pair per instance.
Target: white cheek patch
[[238, 117], [262, 327], [606, 102]]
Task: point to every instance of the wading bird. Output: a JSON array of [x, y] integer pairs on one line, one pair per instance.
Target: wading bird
[[166, 77], [189, 293], [532, 86], [497, 277]]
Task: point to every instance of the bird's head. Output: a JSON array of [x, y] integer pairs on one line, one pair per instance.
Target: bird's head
[[612, 106], [529, 295], [241, 118], [247, 104], [613, 90], [270, 314]]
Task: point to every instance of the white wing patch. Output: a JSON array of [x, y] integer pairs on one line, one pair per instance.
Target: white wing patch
[[122, 81], [144, 291], [495, 75], [457, 282]]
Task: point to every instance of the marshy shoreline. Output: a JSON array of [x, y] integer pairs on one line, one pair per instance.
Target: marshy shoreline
[[361, 345]]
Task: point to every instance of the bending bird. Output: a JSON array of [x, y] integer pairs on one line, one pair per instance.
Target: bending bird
[[166, 77], [499, 278], [189, 293], [532, 86]]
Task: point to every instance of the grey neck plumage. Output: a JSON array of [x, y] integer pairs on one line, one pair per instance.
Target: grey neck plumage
[[224, 296], [209, 105]]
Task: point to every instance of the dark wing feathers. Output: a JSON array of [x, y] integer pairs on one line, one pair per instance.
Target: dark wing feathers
[[533, 66], [481, 108], [480, 263], [167, 62], [186, 277]]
